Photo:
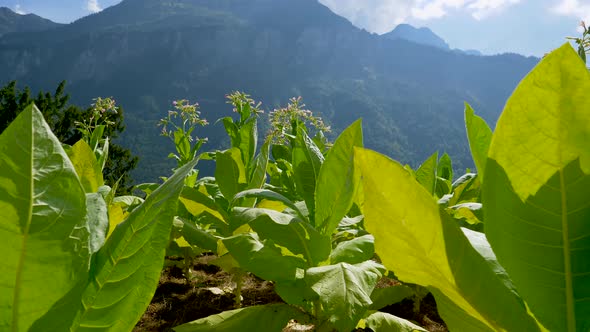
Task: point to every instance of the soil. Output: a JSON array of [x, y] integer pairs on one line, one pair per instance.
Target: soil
[[178, 301]]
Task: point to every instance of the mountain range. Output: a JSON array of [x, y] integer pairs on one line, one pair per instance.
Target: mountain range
[[407, 85], [13, 22]]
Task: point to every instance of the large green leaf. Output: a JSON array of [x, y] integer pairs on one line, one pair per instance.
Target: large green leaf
[[307, 160], [480, 136], [344, 290], [88, 169], [337, 183], [42, 225], [289, 232], [270, 317], [127, 268], [264, 259], [421, 244], [230, 173], [537, 190], [545, 124]]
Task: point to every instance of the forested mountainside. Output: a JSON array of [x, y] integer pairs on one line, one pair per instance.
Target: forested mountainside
[[147, 53]]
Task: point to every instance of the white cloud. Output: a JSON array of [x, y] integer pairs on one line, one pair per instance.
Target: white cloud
[[18, 9], [425, 10], [575, 8], [479, 9], [484, 8], [93, 6], [382, 15], [374, 15]]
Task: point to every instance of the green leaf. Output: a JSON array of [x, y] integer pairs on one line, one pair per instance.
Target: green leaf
[[466, 189], [183, 145], [258, 176], [97, 220], [337, 181], [383, 297], [344, 290], [230, 173], [42, 209], [445, 167], [537, 188], [196, 203], [442, 187], [384, 322], [279, 151], [270, 317], [127, 268], [472, 213], [421, 244], [287, 231], [545, 123], [426, 173], [354, 251], [268, 195], [248, 141], [96, 137], [297, 292], [263, 258], [129, 202], [307, 160], [147, 188], [87, 167], [102, 154], [479, 135], [232, 131], [196, 236]]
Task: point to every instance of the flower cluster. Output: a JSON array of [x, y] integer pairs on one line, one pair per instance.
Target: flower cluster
[[242, 101], [189, 115], [286, 120], [103, 106], [99, 116], [583, 42]]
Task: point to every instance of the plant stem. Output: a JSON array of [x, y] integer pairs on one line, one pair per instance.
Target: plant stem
[[238, 278], [316, 310]]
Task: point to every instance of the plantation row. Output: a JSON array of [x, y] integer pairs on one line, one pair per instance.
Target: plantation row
[[324, 222]]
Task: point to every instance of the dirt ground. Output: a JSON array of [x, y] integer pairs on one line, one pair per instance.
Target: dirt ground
[[177, 301]]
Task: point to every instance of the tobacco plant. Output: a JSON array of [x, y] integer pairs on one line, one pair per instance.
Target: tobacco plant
[[535, 174], [60, 271], [326, 287]]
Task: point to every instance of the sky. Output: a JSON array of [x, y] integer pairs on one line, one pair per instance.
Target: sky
[[529, 27]]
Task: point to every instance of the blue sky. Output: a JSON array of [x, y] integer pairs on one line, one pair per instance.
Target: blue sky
[[530, 27]]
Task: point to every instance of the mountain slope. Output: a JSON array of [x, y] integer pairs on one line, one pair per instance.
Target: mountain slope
[[13, 22], [146, 53], [422, 35]]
